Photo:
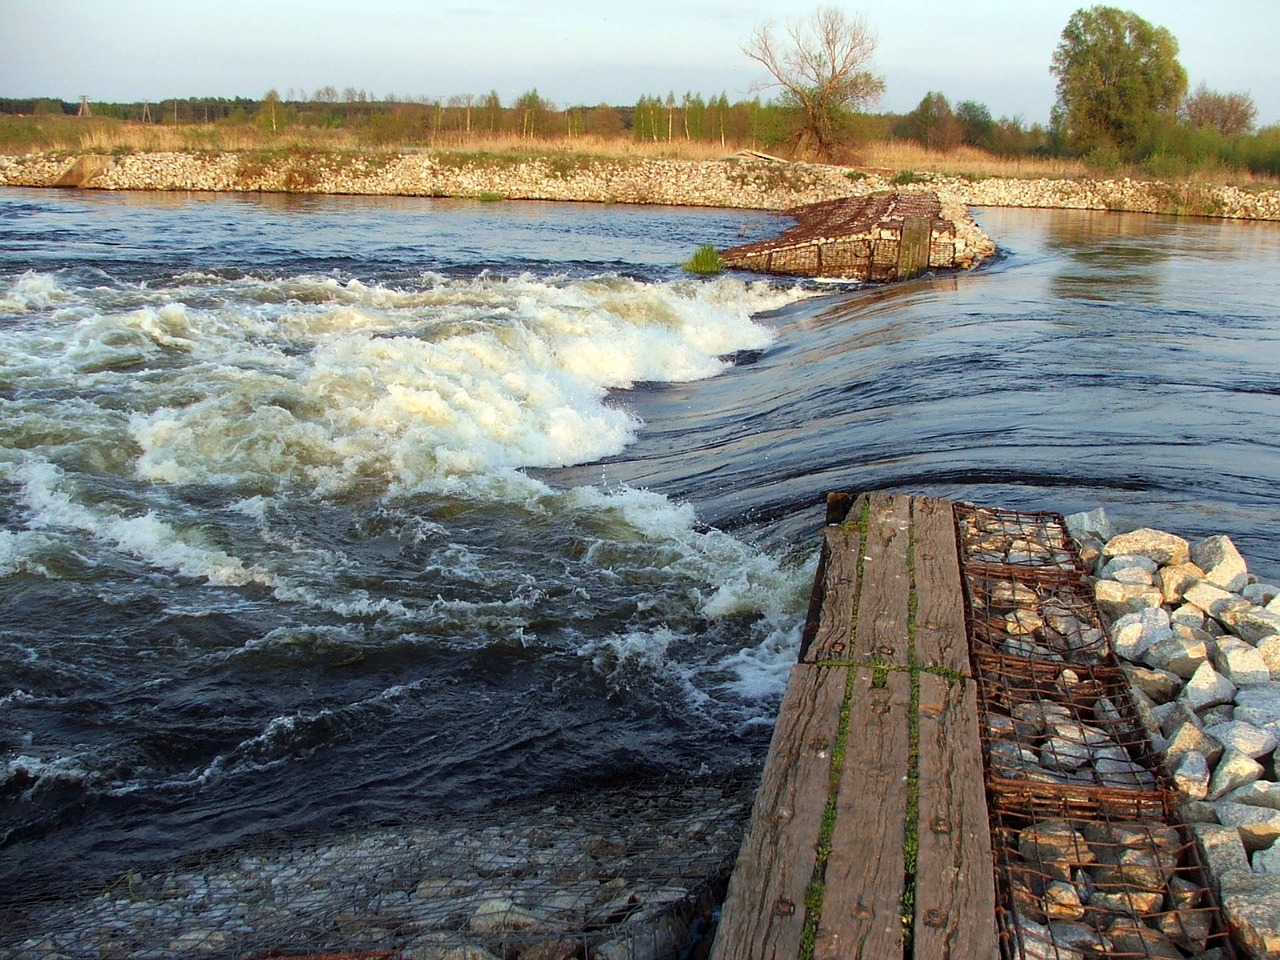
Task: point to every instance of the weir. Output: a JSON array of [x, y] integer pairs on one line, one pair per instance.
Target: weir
[[957, 769]]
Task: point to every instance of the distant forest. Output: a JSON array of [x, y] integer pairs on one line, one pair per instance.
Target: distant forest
[[354, 116]]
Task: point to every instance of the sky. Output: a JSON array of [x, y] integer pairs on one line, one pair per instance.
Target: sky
[[996, 52]]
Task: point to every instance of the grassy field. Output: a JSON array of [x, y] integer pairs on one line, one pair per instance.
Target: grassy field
[[21, 135]]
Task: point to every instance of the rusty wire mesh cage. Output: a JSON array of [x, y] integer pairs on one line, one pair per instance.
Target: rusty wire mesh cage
[[1065, 727], [1034, 618], [1015, 543], [605, 875], [1091, 879]]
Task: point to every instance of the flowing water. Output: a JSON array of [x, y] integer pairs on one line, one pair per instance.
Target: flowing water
[[329, 511]]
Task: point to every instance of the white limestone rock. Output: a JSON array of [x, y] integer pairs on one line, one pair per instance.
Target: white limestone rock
[[1156, 545], [1180, 655], [1134, 633], [1188, 614], [1259, 826], [1115, 599], [1252, 624], [1191, 775], [1234, 770], [1090, 523], [1260, 594], [1172, 715], [1062, 901], [1220, 604], [1160, 685], [499, 914], [1243, 737], [1268, 861], [1238, 661], [1207, 688], [1173, 580], [1269, 649], [1130, 568], [1259, 705], [1223, 852], [1251, 906], [1260, 793], [1221, 562]]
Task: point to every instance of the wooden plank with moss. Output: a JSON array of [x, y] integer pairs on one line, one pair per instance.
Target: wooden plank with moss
[[837, 594], [955, 879], [941, 637], [880, 635], [764, 910], [863, 881]]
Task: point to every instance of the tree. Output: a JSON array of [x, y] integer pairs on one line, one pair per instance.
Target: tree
[[976, 126], [932, 124], [1231, 114], [533, 110], [1118, 76], [821, 67], [269, 113]]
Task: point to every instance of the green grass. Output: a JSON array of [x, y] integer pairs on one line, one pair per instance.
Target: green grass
[[489, 196], [907, 177], [705, 261]]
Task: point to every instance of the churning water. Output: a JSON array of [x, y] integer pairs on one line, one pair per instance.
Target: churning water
[[325, 511]]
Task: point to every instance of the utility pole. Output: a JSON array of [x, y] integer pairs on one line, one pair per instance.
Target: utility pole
[[146, 112], [84, 107]]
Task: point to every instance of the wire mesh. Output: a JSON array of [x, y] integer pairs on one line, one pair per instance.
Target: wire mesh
[[605, 875], [1091, 860], [1063, 727], [1015, 543], [1088, 880], [1035, 618]]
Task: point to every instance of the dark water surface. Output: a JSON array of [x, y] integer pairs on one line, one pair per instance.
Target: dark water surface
[[324, 511]]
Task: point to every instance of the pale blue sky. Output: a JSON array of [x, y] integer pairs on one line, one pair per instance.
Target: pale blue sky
[[993, 51]]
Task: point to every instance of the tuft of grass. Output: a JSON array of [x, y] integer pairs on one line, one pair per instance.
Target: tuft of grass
[[489, 196], [908, 177], [705, 261]]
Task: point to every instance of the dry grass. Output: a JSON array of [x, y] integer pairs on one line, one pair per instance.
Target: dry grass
[[895, 155], [19, 135]]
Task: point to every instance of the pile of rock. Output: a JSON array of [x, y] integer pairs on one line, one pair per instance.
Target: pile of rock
[[1200, 638], [606, 876], [744, 182]]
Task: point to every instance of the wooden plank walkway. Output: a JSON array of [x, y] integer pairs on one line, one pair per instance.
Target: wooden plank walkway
[[869, 836]]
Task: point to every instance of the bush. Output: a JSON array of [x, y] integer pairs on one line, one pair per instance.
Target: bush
[[907, 177]]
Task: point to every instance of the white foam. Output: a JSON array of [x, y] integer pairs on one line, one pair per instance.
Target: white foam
[[31, 291], [146, 537], [416, 389]]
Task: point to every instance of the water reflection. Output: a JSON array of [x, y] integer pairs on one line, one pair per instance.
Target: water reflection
[[1110, 256]]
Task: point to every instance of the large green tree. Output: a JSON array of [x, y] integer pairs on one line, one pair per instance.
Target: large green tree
[[1118, 76]]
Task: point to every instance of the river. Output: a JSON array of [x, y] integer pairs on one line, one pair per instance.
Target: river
[[333, 511]]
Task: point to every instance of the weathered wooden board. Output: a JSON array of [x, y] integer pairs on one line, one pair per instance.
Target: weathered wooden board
[[913, 255], [833, 637], [881, 633], [861, 910], [955, 880], [763, 914], [942, 640]]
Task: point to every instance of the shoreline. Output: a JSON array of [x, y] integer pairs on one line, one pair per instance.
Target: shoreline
[[741, 182]]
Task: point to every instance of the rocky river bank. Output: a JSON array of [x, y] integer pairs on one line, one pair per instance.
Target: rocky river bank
[[1200, 640], [740, 181]]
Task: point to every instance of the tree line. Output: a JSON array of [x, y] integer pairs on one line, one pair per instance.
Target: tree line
[[1122, 97]]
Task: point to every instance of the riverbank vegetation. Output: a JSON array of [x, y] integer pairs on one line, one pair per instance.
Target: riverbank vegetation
[[1166, 133]]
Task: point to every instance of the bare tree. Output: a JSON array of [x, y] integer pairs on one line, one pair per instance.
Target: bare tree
[[1230, 113], [821, 66]]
